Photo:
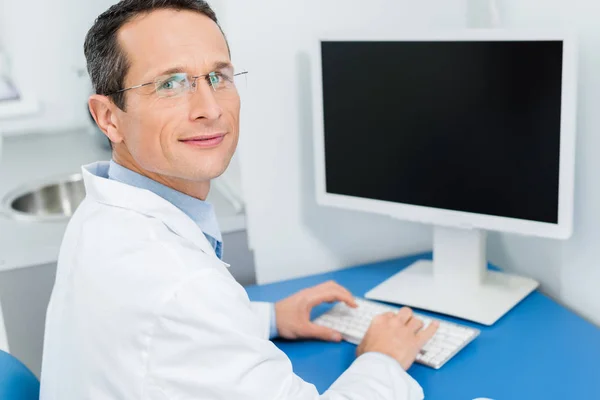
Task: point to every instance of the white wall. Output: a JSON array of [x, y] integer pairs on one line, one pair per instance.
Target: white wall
[[290, 234], [570, 270], [44, 40]]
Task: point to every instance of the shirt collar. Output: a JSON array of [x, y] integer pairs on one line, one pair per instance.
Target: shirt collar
[[201, 212]]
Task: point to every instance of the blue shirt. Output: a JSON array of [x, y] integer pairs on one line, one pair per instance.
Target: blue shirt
[[201, 212]]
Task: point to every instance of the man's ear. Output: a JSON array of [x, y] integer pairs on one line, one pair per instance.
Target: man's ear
[[104, 113]]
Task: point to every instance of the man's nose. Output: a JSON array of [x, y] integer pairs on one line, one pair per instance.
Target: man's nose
[[204, 102]]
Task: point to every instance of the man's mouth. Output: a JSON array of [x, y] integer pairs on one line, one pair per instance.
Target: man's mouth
[[204, 141]]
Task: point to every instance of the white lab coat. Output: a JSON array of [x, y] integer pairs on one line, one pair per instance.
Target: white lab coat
[[143, 309]]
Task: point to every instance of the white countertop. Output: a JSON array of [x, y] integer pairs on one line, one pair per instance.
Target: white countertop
[[28, 158]]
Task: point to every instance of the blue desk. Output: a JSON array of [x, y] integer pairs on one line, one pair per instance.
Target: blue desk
[[539, 350]]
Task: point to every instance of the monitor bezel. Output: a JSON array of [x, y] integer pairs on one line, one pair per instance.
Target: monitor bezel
[[451, 218]]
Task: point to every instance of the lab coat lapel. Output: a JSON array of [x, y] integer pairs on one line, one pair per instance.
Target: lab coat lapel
[[142, 201]]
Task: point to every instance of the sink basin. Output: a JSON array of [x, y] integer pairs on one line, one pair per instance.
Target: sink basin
[[52, 199]]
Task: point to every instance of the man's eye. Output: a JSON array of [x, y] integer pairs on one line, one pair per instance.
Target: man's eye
[[171, 84], [215, 78], [167, 85]]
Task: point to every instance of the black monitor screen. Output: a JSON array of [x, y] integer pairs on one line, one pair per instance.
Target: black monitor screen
[[459, 125]]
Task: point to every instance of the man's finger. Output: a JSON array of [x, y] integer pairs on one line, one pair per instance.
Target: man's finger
[[330, 295], [415, 324], [424, 335], [320, 332], [334, 286], [405, 314], [387, 315], [352, 303]]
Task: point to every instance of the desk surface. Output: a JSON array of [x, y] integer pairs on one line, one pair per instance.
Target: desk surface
[[539, 350]]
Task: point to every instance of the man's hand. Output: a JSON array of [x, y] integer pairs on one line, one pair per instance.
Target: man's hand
[[293, 313], [398, 335]]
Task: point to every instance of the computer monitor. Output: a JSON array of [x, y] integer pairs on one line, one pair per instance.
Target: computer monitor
[[468, 132]]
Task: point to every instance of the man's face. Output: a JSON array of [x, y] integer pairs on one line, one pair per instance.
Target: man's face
[[191, 137]]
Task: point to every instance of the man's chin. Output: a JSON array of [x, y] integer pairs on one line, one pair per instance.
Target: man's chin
[[205, 172], [204, 165]]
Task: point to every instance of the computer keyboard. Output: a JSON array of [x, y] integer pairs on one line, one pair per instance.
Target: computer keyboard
[[353, 323]]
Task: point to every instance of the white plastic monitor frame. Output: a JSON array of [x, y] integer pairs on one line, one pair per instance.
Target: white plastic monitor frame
[[452, 218], [456, 231]]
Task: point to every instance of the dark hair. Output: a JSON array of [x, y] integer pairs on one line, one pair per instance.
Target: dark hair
[[107, 64]]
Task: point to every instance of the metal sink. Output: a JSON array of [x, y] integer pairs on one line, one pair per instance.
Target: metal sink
[[49, 200]]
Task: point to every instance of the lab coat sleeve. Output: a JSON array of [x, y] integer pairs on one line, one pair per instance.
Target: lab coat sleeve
[[382, 372], [264, 313], [208, 343]]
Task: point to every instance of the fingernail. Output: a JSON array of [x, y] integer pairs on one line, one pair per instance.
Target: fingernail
[[336, 337]]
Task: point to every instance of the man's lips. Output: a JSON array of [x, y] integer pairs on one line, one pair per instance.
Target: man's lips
[[204, 141]]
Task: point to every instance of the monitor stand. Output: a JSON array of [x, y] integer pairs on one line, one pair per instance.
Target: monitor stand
[[457, 282]]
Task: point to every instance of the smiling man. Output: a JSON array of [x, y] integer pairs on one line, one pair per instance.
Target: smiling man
[[143, 307]]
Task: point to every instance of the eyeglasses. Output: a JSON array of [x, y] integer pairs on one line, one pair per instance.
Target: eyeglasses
[[177, 84]]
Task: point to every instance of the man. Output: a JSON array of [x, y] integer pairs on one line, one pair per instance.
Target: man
[[143, 307]]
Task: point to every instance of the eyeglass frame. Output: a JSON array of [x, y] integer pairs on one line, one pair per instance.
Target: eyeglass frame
[[194, 78]]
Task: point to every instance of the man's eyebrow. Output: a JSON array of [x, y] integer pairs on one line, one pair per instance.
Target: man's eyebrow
[[219, 65], [222, 65], [172, 70]]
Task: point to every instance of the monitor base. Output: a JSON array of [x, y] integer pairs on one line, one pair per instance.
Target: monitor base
[[457, 282]]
